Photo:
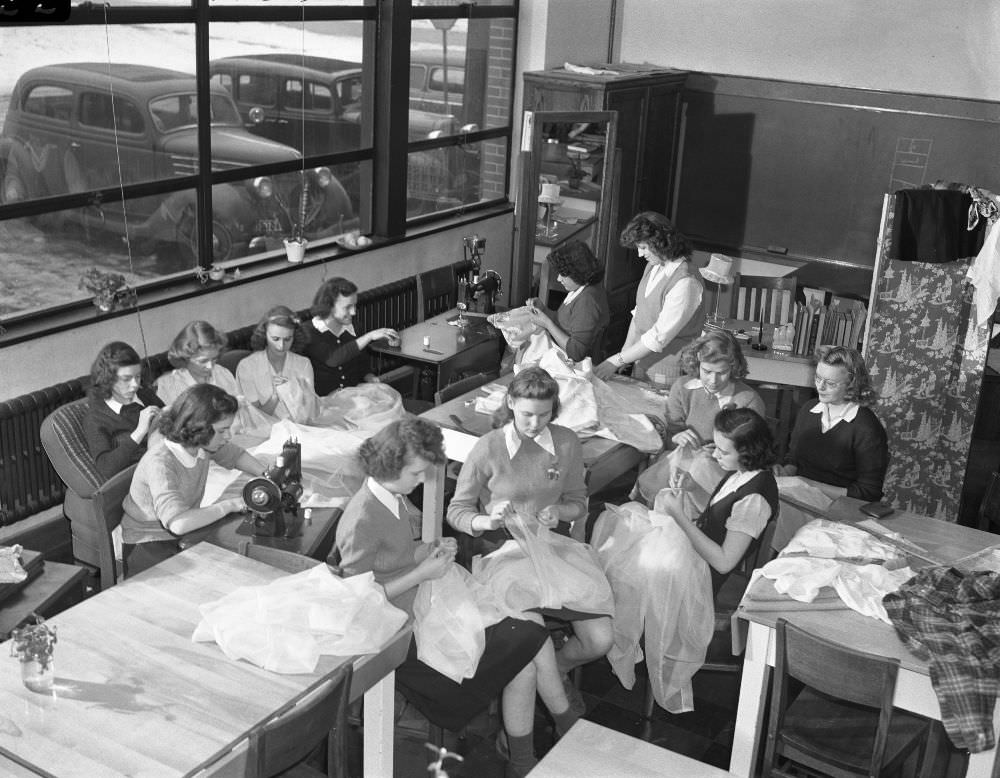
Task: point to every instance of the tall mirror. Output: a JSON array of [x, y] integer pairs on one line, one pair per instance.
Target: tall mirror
[[566, 191]]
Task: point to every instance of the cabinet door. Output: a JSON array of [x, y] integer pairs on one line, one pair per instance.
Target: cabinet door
[[623, 269], [549, 95], [660, 147]]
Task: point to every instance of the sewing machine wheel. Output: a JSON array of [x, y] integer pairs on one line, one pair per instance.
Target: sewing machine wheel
[[262, 495]]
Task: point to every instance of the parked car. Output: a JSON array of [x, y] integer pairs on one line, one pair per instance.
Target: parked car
[[317, 103], [72, 127]]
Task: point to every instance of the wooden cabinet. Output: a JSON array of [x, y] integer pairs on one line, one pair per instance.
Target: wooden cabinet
[[648, 102]]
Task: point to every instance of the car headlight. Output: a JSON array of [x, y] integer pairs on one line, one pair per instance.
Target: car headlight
[[264, 187], [323, 176]]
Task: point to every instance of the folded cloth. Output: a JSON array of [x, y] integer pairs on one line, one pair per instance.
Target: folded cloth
[[10, 565], [834, 540]]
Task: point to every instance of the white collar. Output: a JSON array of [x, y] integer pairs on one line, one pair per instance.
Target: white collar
[[736, 480], [723, 398], [829, 421], [183, 455], [116, 407], [571, 296], [388, 499], [322, 326], [514, 441]]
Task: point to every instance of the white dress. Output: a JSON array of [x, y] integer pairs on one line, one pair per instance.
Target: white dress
[[296, 397]]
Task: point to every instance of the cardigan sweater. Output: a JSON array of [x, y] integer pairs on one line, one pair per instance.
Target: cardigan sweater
[[109, 434], [585, 320], [853, 454], [690, 406], [336, 359], [532, 480], [163, 487]]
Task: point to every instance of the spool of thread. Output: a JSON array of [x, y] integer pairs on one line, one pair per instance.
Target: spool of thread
[[427, 341]]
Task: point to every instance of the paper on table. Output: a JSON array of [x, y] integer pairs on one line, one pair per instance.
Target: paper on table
[[457, 445]]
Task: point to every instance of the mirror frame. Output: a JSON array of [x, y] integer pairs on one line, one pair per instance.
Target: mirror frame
[[527, 200]]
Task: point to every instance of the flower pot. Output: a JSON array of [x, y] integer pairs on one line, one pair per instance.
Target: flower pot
[[38, 674], [216, 273], [295, 250], [104, 304]]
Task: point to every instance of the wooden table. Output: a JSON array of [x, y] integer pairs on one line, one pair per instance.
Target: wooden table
[[58, 586], [913, 687], [135, 696], [313, 539], [603, 459], [450, 349], [592, 750]]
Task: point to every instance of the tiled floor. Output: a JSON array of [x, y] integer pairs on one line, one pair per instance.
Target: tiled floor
[[704, 734]]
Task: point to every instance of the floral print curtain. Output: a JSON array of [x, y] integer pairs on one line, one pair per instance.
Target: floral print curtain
[[926, 357]]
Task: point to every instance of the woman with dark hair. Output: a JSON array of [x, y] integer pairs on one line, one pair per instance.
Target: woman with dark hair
[[121, 411], [838, 444], [579, 324], [164, 501], [273, 378], [667, 314], [714, 364], [377, 533], [529, 466], [334, 347]]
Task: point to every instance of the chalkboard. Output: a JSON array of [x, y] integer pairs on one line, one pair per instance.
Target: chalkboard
[[799, 170]]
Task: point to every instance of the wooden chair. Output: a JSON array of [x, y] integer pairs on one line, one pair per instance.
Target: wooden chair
[[232, 358], [842, 723], [288, 561], [763, 298], [437, 291], [280, 745], [463, 385], [92, 504], [989, 508]]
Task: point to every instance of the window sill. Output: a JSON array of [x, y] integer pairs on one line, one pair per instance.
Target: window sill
[[186, 286]]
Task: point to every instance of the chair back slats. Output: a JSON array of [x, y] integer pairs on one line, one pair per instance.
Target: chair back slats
[[463, 385], [437, 290], [763, 298], [290, 737]]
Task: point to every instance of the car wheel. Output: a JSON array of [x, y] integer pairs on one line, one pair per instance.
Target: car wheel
[[181, 254], [13, 184]]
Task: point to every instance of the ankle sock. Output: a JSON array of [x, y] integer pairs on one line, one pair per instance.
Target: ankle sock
[[521, 749], [565, 720]]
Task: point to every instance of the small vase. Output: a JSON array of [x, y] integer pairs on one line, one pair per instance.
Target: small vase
[[104, 304], [295, 250], [36, 677], [216, 273]]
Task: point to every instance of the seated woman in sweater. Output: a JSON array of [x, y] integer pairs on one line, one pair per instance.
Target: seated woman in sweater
[[164, 501], [194, 353], [121, 411], [273, 378], [838, 444], [579, 324], [535, 468], [379, 532]]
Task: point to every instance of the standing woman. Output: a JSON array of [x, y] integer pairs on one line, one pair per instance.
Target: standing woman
[[534, 468], [667, 314], [273, 378], [578, 326], [121, 411], [838, 444], [164, 501]]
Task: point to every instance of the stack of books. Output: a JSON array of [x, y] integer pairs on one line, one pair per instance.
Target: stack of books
[[825, 319]]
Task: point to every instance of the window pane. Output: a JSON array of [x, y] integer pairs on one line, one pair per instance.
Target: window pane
[[440, 179], [288, 89], [460, 75]]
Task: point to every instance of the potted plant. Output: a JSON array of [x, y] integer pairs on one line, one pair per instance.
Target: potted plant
[[295, 243], [105, 287], [34, 644]]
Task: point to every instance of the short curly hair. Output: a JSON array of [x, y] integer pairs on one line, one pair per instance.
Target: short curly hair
[[714, 346], [388, 451], [280, 316], [104, 371], [860, 389], [751, 437], [196, 336], [576, 261], [658, 232], [190, 417], [531, 383], [327, 294]]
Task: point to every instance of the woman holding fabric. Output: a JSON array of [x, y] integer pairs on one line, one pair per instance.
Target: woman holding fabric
[[667, 314], [533, 468], [376, 533], [273, 378], [838, 444], [164, 501], [578, 326]]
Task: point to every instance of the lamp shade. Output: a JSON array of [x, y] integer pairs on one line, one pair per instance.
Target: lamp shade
[[719, 269], [550, 194]]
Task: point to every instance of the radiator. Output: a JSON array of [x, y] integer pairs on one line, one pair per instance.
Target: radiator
[[28, 484]]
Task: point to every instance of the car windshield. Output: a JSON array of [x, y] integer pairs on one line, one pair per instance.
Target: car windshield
[[175, 111]]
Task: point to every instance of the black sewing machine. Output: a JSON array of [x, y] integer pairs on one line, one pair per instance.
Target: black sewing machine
[[273, 499], [483, 293]]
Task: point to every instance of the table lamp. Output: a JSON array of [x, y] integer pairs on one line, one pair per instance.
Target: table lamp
[[720, 272], [550, 199]]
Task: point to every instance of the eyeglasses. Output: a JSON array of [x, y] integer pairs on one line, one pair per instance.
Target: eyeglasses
[[826, 383]]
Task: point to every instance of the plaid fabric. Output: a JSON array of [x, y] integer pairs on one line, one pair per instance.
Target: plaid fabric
[[952, 619]]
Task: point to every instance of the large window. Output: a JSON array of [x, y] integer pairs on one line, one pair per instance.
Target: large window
[[106, 124]]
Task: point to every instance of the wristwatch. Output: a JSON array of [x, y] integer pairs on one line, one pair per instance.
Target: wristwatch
[[621, 360]]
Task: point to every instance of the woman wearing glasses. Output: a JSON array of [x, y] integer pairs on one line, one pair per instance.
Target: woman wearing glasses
[[838, 444]]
